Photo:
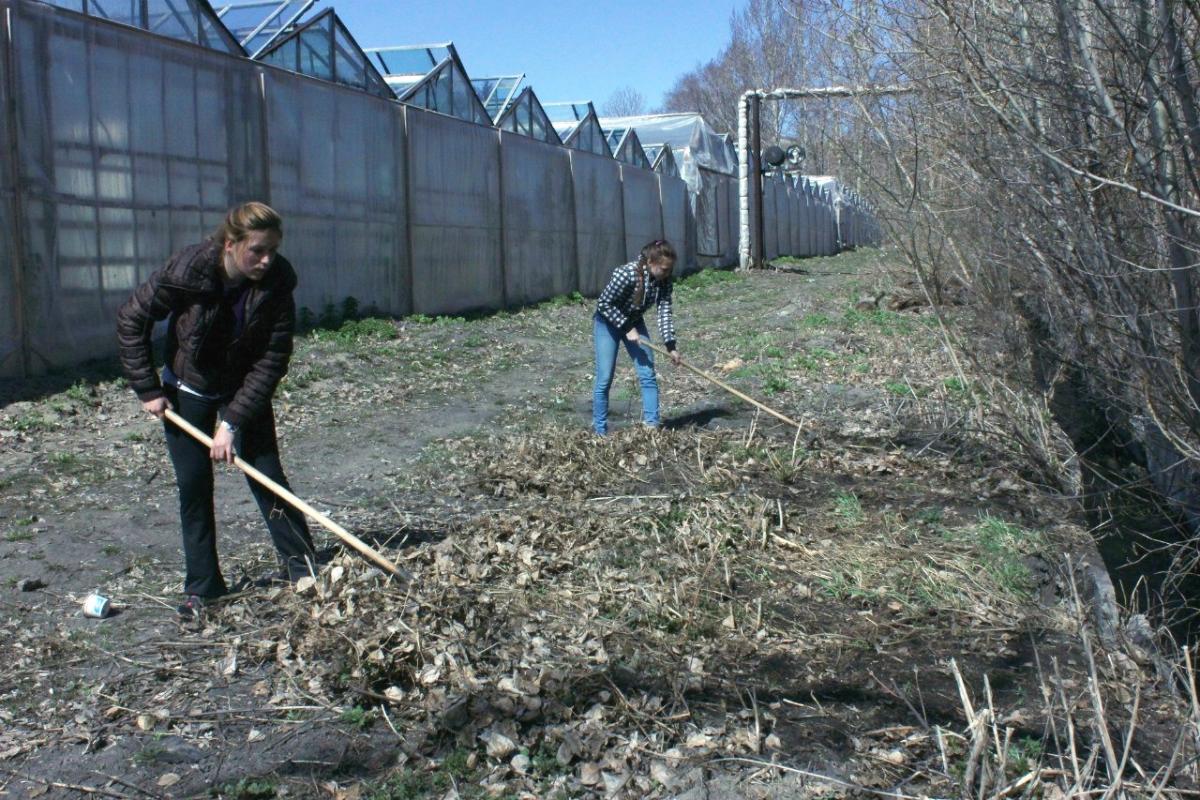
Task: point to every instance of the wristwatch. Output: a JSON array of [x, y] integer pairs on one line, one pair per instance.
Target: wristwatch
[[228, 426]]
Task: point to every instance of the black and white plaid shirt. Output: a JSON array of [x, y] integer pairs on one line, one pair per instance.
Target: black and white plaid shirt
[[616, 302]]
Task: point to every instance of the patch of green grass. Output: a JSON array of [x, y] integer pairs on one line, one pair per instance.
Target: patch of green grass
[[564, 300], [887, 323], [247, 789], [110, 549], [357, 330], [848, 508], [64, 460], [955, 385], [18, 536], [1002, 546], [80, 392], [899, 389], [706, 282], [136, 436], [425, 319], [34, 422], [816, 321], [930, 516], [775, 383], [358, 717]]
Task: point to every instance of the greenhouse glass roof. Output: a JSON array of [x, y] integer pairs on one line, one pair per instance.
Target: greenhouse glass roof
[[497, 93], [628, 149], [662, 159], [324, 48], [188, 20], [571, 112], [405, 65], [526, 116], [257, 24], [582, 133]]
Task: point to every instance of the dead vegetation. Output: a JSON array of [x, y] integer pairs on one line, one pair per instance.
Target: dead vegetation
[[875, 607]]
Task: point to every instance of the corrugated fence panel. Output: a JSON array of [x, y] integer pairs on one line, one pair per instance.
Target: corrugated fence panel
[[454, 196], [539, 222], [132, 146], [643, 217], [783, 219], [725, 232], [599, 219], [11, 358], [797, 232], [673, 197], [733, 220], [771, 228], [336, 167]]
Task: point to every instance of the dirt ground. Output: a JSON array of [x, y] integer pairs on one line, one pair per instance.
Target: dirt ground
[[727, 607]]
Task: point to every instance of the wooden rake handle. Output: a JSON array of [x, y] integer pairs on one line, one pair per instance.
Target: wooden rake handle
[[721, 383], [292, 500]]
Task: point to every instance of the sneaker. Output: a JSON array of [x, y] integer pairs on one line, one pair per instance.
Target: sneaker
[[192, 609]]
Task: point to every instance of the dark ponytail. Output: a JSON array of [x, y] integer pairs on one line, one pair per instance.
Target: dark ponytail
[[659, 251]]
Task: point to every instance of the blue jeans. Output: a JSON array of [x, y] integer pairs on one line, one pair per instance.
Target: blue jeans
[[606, 338]]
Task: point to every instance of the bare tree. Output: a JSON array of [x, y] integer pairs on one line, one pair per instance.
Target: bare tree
[[624, 102]]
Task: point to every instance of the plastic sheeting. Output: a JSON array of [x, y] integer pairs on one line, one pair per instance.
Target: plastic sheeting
[[643, 216], [599, 219], [539, 226], [454, 202], [695, 144], [337, 178]]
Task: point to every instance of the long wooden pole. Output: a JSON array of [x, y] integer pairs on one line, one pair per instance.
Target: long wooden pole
[[293, 500], [721, 383]]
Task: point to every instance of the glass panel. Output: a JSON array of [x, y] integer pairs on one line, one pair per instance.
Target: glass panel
[[116, 10], [408, 60], [315, 55]]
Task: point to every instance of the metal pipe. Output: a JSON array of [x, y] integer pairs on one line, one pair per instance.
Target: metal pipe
[[756, 183], [748, 152]]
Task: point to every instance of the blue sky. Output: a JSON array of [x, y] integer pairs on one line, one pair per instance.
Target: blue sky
[[568, 50]]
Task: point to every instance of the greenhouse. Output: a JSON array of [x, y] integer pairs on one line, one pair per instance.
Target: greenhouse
[[323, 48], [497, 93], [627, 148], [256, 24], [129, 134], [579, 127], [662, 159], [526, 116], [431, 76]]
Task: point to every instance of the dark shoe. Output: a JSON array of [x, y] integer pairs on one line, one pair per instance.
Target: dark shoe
[[192, 609]]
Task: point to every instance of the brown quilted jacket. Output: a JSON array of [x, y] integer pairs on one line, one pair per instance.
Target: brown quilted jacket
[[200, 345]]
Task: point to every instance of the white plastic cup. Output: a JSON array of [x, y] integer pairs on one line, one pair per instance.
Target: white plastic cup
[[96, 605]]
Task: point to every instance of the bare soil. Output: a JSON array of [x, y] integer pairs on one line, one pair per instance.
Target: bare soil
[[722, 608]]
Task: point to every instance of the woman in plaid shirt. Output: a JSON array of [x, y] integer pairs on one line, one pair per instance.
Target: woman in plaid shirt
[[632, 289]]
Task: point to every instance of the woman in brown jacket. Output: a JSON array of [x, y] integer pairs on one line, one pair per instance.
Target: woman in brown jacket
[[230, 316]]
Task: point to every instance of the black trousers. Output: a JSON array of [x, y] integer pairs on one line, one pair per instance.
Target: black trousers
[[256, 443]]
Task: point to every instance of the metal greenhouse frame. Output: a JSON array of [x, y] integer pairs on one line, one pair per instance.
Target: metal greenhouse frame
[[323, 48], [526, 116], [257, 24], [498, 92], [431, 76], [579, 126], [186, 20], [627, 148]]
